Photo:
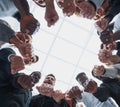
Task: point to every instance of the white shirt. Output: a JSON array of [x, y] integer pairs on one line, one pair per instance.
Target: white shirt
[[7, 8], [91, 101]]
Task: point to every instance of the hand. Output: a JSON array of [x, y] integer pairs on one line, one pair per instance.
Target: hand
[[70, 101], [25, 38], [98, 70], [68, 7], [25, 49], [104, 55], [100, 12], [23, 43], [51, 16], [102, 24], [107, 36], [25, 81], [87, 10], [110, 47], [91, 87], [58, 96], [31, 60], [17, 64], [29, 24], [75, 93], [45, 89], [36, 75]]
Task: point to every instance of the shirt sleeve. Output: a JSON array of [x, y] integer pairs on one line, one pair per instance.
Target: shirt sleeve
[[112, 72], [63, 104], [5, 31], [5, 53], [103, 93], [14, 79], [115, 4]]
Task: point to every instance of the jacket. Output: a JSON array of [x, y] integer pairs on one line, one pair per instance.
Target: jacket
[[45, 101], [11, 93]]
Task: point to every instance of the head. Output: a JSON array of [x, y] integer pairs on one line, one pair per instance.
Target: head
[[50, 79], [107, 35], [68, 8], [34, 59], [82, 78], [36, 75]]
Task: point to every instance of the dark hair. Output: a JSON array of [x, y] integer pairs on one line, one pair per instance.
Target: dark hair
[[37, 58], [101, 46], [35, 72], [52, 76]]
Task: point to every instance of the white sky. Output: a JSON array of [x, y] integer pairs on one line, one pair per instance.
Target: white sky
[[65, 49]]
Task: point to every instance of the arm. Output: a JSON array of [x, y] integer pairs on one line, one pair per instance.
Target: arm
[[75, 94], [28, 24], [12, 60], [58, 97], [116, 35], [8, 35], [85, 99], [102, 93], [116, 71], [21, 80], [91, 101], [5, 31], [22, 6], [5, 67], [14, 80], [115, 59], [72, 102], [115, 9], [111, 72], [51, 15], [5, 53], [63, 103]]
